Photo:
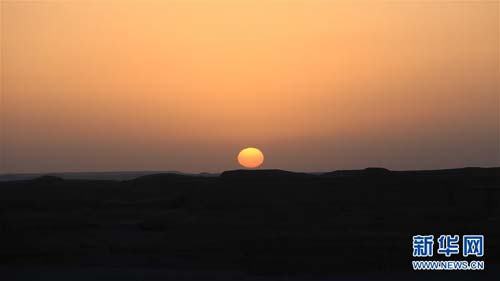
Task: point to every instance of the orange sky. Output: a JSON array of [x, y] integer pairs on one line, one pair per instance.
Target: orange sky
[[183, 85]]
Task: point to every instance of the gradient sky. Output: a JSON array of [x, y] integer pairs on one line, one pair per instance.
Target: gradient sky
[[184, 85]]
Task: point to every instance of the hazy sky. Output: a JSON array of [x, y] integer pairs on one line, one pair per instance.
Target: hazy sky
[[184, 85]]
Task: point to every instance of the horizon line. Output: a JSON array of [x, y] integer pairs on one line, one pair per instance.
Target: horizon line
[[263, 169]]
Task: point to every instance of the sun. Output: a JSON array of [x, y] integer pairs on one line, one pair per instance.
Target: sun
[[250, 157]]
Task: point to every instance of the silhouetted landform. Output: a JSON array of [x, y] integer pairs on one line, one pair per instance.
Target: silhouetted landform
[[47, 180], [262, 222], [119, 175], [164, 178], [365, 172], [273, 174]]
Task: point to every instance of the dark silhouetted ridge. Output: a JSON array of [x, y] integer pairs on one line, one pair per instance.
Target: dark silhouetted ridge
[[272, 174], [47, 179], [163, 177], [357, 173], [264, 222]]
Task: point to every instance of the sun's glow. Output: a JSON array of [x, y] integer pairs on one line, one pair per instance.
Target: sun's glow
[[250, 157]]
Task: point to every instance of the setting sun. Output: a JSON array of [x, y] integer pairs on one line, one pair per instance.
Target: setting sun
[[250, 157]]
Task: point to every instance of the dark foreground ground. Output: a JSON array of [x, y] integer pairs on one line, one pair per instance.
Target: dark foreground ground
[[244, 225]]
